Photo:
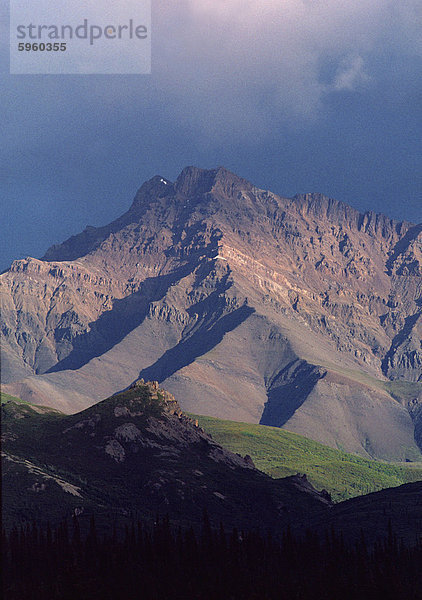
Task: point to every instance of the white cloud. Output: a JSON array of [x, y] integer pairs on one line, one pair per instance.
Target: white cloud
[[233, 65], [350, 74]]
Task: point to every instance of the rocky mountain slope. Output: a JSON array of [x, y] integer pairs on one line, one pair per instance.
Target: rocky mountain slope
[[301, 313], [136, 453]]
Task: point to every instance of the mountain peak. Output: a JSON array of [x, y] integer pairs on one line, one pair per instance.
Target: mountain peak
[[156, 187], [194, 181]]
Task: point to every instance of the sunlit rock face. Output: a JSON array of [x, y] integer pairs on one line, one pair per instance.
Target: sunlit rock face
[[297, 312]]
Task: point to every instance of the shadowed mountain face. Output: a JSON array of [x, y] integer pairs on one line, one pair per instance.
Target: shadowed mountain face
[[137, 453], [375, 516], [301, 313]]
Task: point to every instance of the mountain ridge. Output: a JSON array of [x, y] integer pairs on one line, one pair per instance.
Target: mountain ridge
[[136, 452], [193, 180], [231, 284], [137, 456]]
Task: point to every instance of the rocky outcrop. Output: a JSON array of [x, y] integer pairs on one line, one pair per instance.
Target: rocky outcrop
[[404, 358], [137, 453]]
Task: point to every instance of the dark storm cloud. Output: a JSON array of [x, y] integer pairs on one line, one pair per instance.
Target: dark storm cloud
[[294, 95]]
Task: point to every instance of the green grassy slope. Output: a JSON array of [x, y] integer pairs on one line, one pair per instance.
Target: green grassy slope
[[54, 464], [280, 453], [8, 398]]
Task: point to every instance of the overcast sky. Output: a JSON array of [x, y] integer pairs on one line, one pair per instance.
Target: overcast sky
[[294, 95]]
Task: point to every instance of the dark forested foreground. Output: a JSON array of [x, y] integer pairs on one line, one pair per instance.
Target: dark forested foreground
[[160, 563]]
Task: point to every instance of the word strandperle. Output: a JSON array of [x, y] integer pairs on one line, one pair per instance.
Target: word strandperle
[[83, 31]]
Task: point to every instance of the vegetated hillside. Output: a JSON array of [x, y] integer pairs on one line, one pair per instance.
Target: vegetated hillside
[[136, 453], [8, 398], [248, 306], [280, 453], [137, 456]]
